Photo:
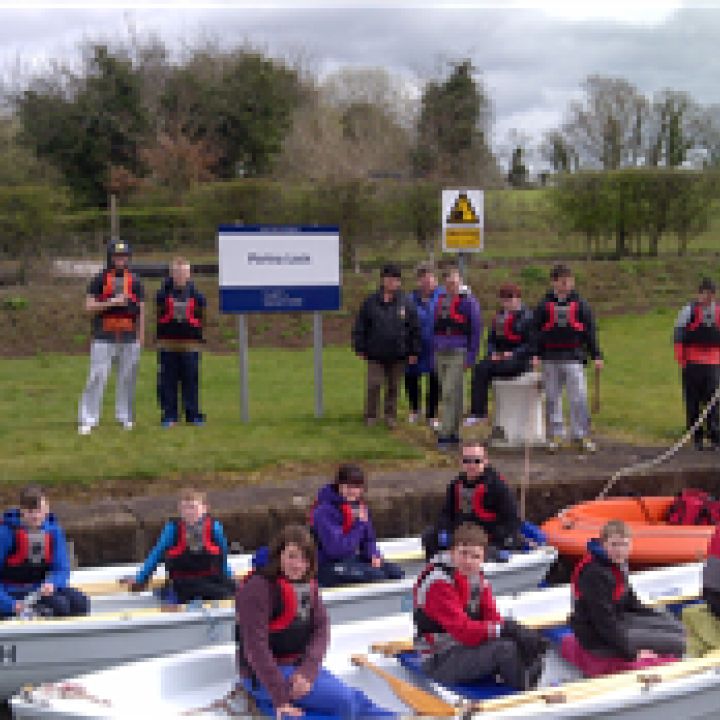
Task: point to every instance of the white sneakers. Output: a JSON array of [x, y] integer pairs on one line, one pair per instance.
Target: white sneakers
[[128, 424], [86, 428], [412, 418]]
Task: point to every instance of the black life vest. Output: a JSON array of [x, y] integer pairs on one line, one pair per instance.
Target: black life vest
[[291, 622], [30, 558], [562, 329], [179, 317], [195, 553], [507, 331], [620, 583], [470, 502], [449, 319], [704, 325], [431, 636], [121, 319]]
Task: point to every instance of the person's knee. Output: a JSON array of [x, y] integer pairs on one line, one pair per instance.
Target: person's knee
[[393, 571], [79, 603]]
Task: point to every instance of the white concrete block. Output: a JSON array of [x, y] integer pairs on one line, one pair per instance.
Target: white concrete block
[[518, 415]]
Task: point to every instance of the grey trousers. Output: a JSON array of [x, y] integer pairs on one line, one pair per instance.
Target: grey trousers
[[571, 374], [660, 632], [450, 366], [464, 665], [102, 356]]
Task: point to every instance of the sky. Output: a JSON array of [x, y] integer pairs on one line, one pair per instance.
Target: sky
[[532, 56]]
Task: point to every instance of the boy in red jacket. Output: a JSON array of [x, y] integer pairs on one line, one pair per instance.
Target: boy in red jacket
[[459, 632]]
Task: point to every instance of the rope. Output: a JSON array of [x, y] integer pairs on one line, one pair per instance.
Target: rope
[[645, 465]]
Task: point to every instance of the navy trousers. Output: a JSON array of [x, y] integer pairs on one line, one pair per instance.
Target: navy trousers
[[176, 368], [347, 572], [64, 602]]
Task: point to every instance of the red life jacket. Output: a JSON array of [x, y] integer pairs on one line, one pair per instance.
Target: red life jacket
[[562, 329], [620, 586], [431, 635], [694, 507], [30, 558], [704, 325], [193, 557], [507, 334], [291, 620], [118, 319], [449, 319], [179, 319], [470, 502]]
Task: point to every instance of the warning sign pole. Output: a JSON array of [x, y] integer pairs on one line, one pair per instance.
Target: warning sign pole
[[243, 357], [318, 356]]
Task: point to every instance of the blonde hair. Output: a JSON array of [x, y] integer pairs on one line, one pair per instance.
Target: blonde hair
[[178, 262], [614, 527], [193, 495]]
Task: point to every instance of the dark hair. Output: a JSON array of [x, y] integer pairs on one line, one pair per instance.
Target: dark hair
[[31, 496], [707, 285], [391, 270], [290, 535], [450, 269], [509, 289], [349, 474], [560, 270], [470, 534]]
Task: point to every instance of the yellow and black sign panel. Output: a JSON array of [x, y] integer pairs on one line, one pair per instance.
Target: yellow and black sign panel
[[462, 220]]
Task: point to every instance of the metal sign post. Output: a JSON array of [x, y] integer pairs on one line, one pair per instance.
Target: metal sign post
[[318, 358], [279, 269], [243, 357]]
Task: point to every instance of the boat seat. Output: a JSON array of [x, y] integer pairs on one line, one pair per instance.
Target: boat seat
[[593, 665], [484, 689], [556, 633]]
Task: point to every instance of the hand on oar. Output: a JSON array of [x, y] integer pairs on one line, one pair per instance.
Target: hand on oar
[[419, 701]]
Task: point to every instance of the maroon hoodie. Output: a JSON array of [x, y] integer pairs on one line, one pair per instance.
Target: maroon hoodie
[[253, 609]]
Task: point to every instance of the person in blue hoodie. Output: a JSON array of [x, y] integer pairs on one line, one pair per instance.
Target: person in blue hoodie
[[34, 561], [347, 549], [195, 552], [180, 317], [424, 297]]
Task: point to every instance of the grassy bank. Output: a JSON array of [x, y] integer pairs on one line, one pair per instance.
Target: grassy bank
[[38, 400]]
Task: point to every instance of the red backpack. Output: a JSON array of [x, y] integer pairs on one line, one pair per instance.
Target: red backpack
[[694, 507]]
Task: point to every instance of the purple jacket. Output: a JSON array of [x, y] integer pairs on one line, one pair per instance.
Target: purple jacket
[[253, 609], [471, 343], [335, 542]]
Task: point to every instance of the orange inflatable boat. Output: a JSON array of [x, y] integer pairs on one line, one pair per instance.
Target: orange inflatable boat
[[655, 542]]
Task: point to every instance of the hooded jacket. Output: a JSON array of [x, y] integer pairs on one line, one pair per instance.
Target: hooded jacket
[[468, 307], [425, 308], [555, 341], [492, 497], [60, 567], [387, 331], [602, 595], [339, 535]]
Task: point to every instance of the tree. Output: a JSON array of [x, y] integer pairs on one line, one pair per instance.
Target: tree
[[453, 126], [518, 173], [86, 123]]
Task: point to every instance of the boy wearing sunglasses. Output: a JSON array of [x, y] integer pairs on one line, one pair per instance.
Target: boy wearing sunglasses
[[478, 495]]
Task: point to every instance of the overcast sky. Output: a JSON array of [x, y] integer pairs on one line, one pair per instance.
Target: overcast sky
[[532, 59]]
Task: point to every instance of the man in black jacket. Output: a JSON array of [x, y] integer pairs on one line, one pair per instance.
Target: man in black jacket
[[387, 335], [608, 618], [478, 495], [563, 336]]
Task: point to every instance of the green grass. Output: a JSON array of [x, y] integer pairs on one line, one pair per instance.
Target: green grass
[[38, 398], [39, 441]]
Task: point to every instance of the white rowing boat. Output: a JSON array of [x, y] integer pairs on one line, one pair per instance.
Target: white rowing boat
[[523, 571], [123, 627], [194, 684]]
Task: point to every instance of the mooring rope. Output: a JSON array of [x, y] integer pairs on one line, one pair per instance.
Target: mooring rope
[[644, 465]]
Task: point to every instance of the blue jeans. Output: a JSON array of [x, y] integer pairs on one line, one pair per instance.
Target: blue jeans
[[328, 698], [347, 572], [178, 368]]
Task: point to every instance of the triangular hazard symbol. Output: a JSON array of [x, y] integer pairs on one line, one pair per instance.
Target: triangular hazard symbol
[[462, 211]]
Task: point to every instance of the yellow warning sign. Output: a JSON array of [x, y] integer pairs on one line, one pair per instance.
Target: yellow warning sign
[[463, 212], [463, 238], [462, 216]]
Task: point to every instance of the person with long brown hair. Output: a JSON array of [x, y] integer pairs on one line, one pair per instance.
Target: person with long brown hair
[[283, 634]]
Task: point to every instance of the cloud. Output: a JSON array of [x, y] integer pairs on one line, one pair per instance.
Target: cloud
[[532, 61]]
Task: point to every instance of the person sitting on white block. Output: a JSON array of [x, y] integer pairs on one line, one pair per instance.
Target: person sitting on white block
[[508, 350]]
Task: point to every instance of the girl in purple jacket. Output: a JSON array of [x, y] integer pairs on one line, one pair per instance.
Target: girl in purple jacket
[[283, 634], [347, 549]]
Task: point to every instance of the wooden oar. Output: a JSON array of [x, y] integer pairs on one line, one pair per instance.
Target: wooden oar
[[421, 702]]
